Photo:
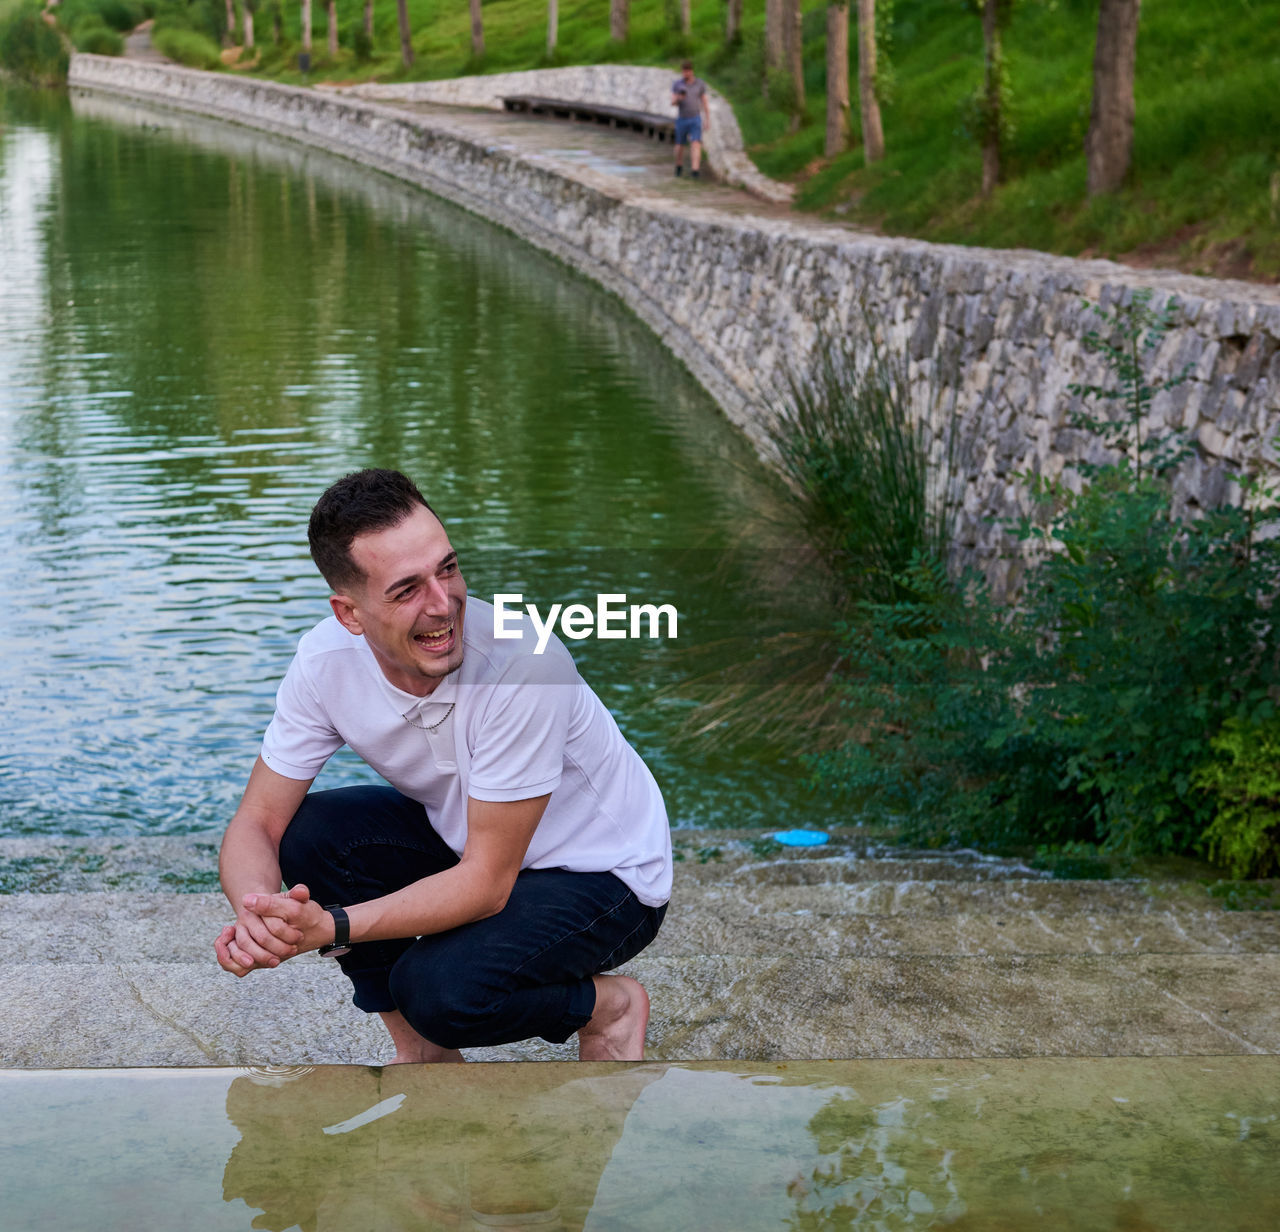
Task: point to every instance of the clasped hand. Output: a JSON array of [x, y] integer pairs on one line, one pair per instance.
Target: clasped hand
[[270, 928]]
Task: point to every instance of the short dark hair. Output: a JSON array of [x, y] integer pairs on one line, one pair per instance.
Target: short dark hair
[[364, 501], [687, 64]]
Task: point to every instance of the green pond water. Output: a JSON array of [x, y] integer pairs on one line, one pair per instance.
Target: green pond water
[[200, 328], [1130, 1144]]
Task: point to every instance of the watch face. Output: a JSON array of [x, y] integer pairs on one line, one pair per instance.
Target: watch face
[[335, 951]]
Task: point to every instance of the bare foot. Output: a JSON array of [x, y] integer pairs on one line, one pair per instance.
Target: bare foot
[[412, 1048], [616, 1030]]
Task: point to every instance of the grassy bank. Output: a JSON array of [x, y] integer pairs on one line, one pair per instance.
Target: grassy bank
[[1204, 193]]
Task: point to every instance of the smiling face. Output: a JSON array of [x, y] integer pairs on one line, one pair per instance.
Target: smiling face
[[411, 603]]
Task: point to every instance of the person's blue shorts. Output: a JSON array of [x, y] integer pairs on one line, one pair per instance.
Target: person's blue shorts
[[688, 130]]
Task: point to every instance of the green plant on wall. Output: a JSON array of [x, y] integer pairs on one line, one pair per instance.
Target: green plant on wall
[[1127, 340]]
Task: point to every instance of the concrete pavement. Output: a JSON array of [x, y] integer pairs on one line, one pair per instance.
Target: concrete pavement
[[846, 952]]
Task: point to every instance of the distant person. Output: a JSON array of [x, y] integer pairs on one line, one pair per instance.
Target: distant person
[[521, 849], [689, 98]]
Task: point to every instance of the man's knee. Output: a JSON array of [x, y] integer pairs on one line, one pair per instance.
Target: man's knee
[[322, 830]]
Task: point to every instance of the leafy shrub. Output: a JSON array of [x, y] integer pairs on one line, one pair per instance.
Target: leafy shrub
[[188, 47], [200, 16], [358, 40], [118, 15], [1081, 715], [30, 48], [89, 34], [1243, 779]]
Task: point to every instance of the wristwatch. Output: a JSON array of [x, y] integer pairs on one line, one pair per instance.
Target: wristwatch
[[341, 943]]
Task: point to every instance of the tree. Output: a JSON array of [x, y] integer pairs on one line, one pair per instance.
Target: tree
[[793, 31], [247, 22], [306, 32], [477, 30], [1108, 147], [837, 78], [331, 16], [406, 42], [990, 110], [686, 17], [231, 21], [553, 26], [368, 20], [868, 103], [619, 19], [733, 22], [774, 40]]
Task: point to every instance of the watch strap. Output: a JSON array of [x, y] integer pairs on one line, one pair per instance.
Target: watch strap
[[341, 931]]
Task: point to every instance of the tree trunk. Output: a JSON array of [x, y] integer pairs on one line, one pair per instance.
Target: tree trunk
[[231, 22], [1109, 144], [368, 20], [306, 27], [277, 25], [991, 98], [406, 39], [686, 17], [868, 104], [774, 40], [733, 22], [477, 30], [553, 26], [331, 15], [794, 30], [248, 28], [837, 79], [619, 19]]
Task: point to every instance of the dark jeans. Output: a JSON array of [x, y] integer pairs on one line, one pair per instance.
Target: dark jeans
[[523, 972]]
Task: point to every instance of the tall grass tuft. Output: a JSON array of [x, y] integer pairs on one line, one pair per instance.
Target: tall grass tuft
[[856, 456], [30, 49], [865, 487]]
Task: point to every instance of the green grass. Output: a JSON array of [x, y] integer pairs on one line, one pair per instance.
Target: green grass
[[188, 47], [1207, 148]]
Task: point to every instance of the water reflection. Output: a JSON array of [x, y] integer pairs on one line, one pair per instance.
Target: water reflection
[[330, 1150], [200, 328], [1132, 1144]]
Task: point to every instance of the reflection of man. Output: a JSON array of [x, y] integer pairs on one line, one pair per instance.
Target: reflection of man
[[689, 98], [522, 848], [348, 1147]]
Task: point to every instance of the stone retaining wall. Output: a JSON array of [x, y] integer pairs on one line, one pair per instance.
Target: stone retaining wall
[[993, 337], [609, 85]]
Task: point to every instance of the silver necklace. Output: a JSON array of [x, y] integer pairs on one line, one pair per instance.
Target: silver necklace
[[430, 726]]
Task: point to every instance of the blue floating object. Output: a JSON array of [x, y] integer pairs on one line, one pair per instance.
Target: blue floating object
[[801, 838]]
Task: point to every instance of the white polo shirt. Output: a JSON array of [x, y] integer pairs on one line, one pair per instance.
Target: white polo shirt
[[507, 725]]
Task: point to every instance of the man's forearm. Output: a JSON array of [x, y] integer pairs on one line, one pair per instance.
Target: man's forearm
[[249, 862], [445, 900]]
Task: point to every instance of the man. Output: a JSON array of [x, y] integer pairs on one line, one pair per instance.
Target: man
[[689, 98], [522, 848]]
